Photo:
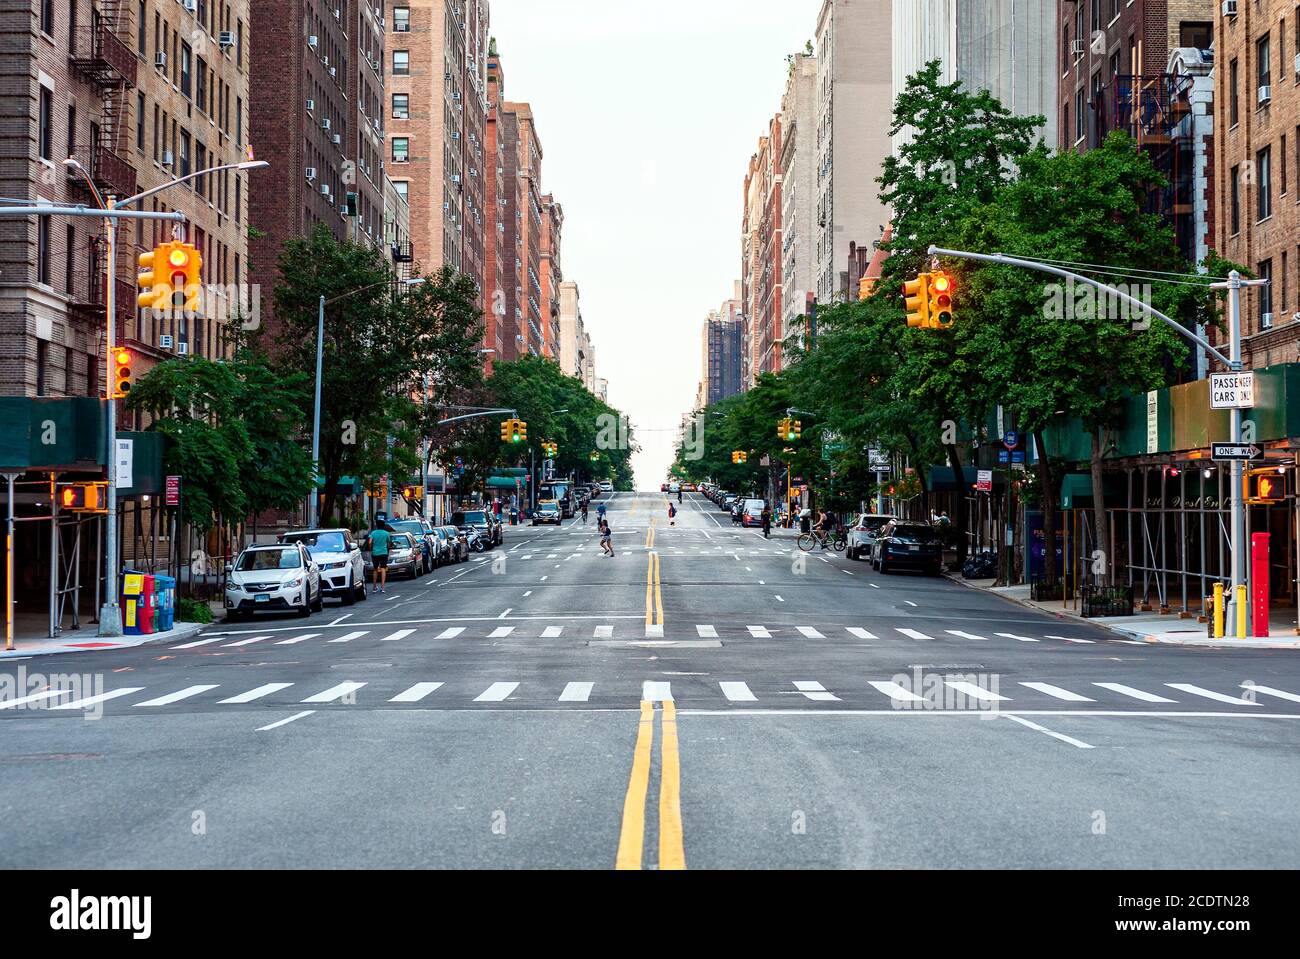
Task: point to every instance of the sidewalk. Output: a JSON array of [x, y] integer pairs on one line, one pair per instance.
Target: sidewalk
[[30, 638], [1149, 627]]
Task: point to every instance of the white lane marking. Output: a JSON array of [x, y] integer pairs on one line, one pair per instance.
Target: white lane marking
[[873, 585], [33, 698], [1047, 732], [1134, 693], [245, 642], [910, 603], [1058, 693], [528, 593], [201, 642], [961, 635], [654, 631], [706, 632], [545, 578], [505, 614], [860, 633], [974, 692], [451, 633], [528, 557], [102, 697], [1266, 690], [297, 639], [552, 632], [501, 632], [738, 693], [394, 637], [348, 637], [603, 632], [1211, 694], [341, 618], [1023, 639], [577, 692], [253, 694], [496, 693], [656, 692], [334, 692], [416, 693], [284, 722], [810, 633], [553, 556], [759, 632], [815, 691], [897, 692], [1086, 642], [913, 634], [177, 696], [780, 600]]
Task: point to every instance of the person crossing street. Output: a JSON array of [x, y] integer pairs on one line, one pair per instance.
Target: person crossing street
[[672, 515]]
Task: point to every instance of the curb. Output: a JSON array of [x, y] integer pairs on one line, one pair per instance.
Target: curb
[[181, 632]]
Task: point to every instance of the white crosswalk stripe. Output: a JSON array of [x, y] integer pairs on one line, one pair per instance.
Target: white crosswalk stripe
[[707, 632], [297, 639], [33, 698], [603, 632], [552, 632], [759, 632], [340, 691], [577, 692], [974, 691], [1211, 694], [1248, 686], [98, 698], [177, 696], [914, 634], [451, 633], [815, 691], [896, 692], [1023, 639], [654, 631], [416, 693], [501, 632], [245, 642], [1070, 639], [1058, 693], [860, 633], [394, 637], [656, 692], [961, 635], [496, 693], [809, 633], [351, 636], [1134, 693], [198, 643], [738, 693], [257, 693]]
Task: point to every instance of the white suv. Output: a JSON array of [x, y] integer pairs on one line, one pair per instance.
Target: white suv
[[276, 578], [342, 566]]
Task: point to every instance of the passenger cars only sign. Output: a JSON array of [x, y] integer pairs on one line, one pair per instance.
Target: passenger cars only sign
[[1232, 391]]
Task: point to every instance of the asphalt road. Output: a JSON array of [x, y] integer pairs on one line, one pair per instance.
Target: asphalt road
[[703, 699]]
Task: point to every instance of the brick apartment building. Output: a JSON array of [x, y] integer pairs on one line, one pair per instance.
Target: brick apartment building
[[529, 337], [551, 275], [495, 319], [1257, 148], [768, 323]]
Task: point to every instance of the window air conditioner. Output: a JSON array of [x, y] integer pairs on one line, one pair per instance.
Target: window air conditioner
[[167, 159], [160, 60], [334, 71], [1264, 94], [190, 5], [313, 42], [1266, 321], [1229, 8], [325, 124], [1076, 48], [311, 173], [226, 39], [338, 138], [182, 348], [311, 105]]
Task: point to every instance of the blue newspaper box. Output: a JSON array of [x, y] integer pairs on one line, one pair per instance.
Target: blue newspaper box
[[164, 591]]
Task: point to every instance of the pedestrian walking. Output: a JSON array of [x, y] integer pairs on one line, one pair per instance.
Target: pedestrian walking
[[606, 539], [767, 521], [377, 542], [672, 515]]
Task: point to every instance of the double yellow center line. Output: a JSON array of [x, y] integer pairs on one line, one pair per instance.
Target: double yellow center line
[[631, 841], [654, 598]]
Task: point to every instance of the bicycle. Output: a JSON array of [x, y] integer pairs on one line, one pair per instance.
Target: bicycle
[[837, 541]]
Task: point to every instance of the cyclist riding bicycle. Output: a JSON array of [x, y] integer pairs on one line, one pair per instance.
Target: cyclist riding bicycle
[[584, 512]]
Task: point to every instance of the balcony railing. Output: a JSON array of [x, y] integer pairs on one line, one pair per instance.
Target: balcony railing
[[103, 57], [111, 173]]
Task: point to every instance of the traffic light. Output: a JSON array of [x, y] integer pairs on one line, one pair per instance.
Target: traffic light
[[413, 493], [595, 457], [551, 450], [152, 290], [184, 269], [739, 456], [507, 428], [940, 307], [916, 294], [83, 498], [1265, 487], [796, 430], [519, 432], [122, 363]]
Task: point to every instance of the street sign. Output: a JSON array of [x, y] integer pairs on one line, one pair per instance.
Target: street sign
[[984, 481], [1011, 439], [1232, 391], [879, 460], [1227, 452], [172, 493]]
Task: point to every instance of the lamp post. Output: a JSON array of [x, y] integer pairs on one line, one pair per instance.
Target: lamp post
[[110, 614], [313, 507]]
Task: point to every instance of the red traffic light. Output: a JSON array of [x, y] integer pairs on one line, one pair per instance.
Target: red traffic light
[[941, 283], [178, 258]]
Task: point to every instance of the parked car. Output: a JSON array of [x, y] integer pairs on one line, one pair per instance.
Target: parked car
[[342, 567], [482, 521], [405, 555], [674, 487], [607, 487], [688, 487], [663, 487], [548, 511], [456, 543], [422, 533], [274, 578], [862, 534], [907, 544], [751, 512]]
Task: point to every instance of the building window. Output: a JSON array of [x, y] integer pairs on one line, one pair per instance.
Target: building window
[[185, 154], [42, 361], [1282, 168], [1078, 115], [401, 63], [47, 124], [1195, 33], [401, 106], [69, 247], [1234, 91], [201, 86], [1266, 295], [185, 68], [141, 33], [92, 375], [139, 122], [401, 19], [72, 129], [1236, 201], [401, 149], [1065, 49], [47, 17], [43, 250], [1263, 64], [1263, 184], [403, 188]]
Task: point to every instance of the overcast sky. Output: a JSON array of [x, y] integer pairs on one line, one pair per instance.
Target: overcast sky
[[648, 115]]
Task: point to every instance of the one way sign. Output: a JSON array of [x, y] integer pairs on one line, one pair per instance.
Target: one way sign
[[1226, 452]]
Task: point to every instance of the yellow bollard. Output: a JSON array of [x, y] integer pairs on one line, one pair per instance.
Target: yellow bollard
[[1218, 611], [1242, 629]]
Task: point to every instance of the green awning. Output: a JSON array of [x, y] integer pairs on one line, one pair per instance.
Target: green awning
[[502, 482]]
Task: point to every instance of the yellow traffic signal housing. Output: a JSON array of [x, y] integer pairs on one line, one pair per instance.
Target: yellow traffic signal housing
[[784, 429], [84, 498], [506, 428], [150, 288], [798, 430], [122, 372], [1265, 487], [916, 294], [940, 301], [184, 267], [522, 427]]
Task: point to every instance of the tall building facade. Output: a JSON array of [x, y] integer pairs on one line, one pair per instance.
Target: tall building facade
[[496, 262], [723, 343], [576, 355], [751, 267], [798, 164], [768, 324], [551, 275], [854, 100], [529, 337]]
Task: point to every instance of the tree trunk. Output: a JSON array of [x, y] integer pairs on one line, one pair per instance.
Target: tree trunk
[[958, 525], [1047, 484], [1101, 563]]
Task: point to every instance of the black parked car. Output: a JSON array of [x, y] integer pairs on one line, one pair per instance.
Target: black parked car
[[907, 544]]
